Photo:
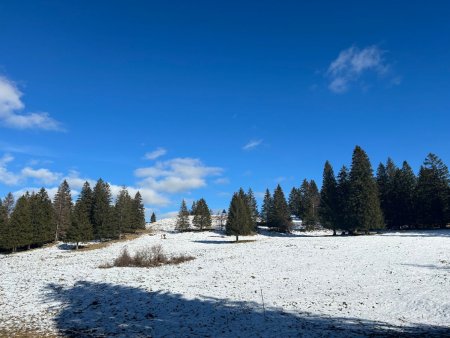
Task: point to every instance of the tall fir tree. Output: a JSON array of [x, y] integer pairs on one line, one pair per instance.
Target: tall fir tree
[[266, 207], [432, 192], [42, 218], [239, 220], [404, 187], [138, 212], [183, 222], [3, 226], [280, 217], [364, 202], [253, 206], [309, 202], [104, 227], [342, 194], [81, 229], [21, 228], [153, 218], [386, 176], [193, 208], [123, 212], [294, 202], [202, 217], [328, 209], [62, 206]]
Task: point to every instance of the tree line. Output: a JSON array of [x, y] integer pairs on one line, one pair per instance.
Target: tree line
[[202, 216], [35, 220], [354, 200]]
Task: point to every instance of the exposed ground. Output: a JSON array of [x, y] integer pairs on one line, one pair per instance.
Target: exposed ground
[[275, 286]]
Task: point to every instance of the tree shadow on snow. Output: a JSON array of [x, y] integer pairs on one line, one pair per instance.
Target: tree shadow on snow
[[103, 310], [430, 266], [419, 233]]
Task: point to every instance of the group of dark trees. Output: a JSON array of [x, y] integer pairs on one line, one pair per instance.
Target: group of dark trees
[[202, 216], [34, 220], [395, 198], [242, 214]]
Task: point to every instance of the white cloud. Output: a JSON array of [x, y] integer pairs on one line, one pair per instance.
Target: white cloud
[[176, 175], [7, 177], [11, 104], [155, 154], [41, 175], [352, 63], [252, 144]]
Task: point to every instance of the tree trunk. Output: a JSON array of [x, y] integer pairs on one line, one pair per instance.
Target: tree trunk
[[76, 246], [334, 232], [237, 238]]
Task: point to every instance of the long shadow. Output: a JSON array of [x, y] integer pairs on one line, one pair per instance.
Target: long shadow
[[430, 266], [420, 232], [104, 310]]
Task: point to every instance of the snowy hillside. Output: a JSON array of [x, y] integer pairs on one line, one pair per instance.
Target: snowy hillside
[[275, 286]]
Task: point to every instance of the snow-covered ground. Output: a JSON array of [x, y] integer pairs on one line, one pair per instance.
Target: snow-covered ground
[[275, 286]]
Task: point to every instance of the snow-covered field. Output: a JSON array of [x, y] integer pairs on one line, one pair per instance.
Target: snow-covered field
[[275, 286]]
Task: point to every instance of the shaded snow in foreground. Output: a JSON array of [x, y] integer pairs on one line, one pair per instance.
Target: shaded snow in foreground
[[312, 286]]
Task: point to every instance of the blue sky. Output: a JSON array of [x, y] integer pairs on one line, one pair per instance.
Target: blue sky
[[188, 99]]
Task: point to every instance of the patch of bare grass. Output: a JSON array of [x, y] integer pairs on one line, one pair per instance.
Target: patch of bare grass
[[124, 238], [147, 258]]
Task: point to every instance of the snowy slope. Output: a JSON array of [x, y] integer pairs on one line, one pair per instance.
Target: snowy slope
[[312, 285]]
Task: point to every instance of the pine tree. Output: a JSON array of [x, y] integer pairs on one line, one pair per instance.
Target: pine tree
[[386, 176], [103, 224], [138, 212], [42, 218], [404, 195], [8, 203], [294, 202], [21, 228], [253, 205], [328, 209], [432, 192], [183, 222], [62, 206], [4, 236], [124, 213], [202, 217], [153, 218], [81, 229], [267, 207], [280, 216], [239, 220], [193, 208], [309, 202], [342, 193], [364, 203]]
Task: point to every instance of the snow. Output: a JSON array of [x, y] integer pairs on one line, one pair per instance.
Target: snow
[[312, 284]]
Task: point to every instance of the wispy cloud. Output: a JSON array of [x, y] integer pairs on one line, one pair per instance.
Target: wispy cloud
[[222, 180], [176, 175], [153, 155], [252, 144], [11, 105], [352, 63]]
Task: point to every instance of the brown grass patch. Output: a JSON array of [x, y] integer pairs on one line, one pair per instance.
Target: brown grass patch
[[146, 258], [124, 238]]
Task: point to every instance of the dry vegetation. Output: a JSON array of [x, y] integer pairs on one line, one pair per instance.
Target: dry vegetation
[[147, 258], [124, 238]]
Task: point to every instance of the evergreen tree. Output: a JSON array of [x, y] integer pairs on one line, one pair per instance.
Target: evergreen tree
[[328, 209], [62, 206], [138, 212], [267, 207], [342, 193], [4, 236], [309, 202], [8, 203], [183, 222], [193, 208], [202, 217], [81, 229], [42, 218], [364, 203], [404, 196], [153, 218], [124, 213], [294, 202], [432, 192], [253, 205], [103, 225], [20, 229], [239, 220], [280, 217], [386, 176]]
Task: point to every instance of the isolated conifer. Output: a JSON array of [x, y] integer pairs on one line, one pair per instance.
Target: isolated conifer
[[239, 220], [280, 216], [202, 217], [103, 224], [153, 218], [138, 212], [328, 209], [81, 229], [183, 218], [62, 206], [267, 207], [364, 203]]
